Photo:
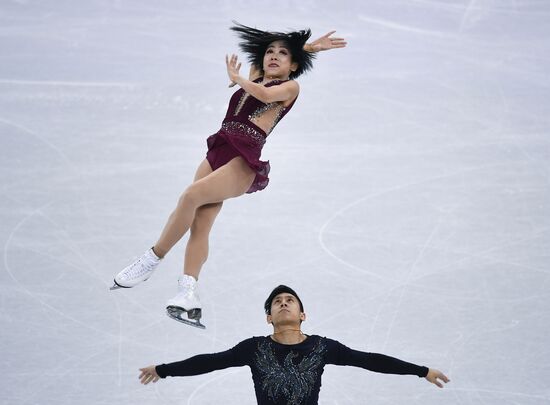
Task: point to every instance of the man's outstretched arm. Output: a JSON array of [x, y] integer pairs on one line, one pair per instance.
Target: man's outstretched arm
[[200, 364], [381, 363]]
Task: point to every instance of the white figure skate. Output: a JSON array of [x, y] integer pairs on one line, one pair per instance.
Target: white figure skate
[[186, 302], [137, 272]]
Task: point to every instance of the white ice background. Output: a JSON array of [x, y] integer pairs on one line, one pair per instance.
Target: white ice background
[[408, 204]]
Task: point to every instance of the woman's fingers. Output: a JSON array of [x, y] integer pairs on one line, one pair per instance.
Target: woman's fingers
[[231, 61]]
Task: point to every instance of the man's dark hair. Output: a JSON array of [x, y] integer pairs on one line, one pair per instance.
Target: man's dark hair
[[279, 290], [254, 43]]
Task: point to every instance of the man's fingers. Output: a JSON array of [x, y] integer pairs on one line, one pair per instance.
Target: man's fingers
[[329, 34], [441, 377], [143, 373]]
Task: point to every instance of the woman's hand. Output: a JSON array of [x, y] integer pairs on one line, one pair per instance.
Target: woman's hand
[[232, 68], [325, 43], [435, 375], [148, 374]]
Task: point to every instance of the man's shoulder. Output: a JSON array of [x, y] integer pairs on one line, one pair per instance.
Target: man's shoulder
[[322, 338], [254, 340], [326, 341]]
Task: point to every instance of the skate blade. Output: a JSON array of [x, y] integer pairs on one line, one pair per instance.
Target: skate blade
[[116, 286], [178, 314]]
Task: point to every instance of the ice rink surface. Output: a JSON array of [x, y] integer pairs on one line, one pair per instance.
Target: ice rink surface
[[409, 199]]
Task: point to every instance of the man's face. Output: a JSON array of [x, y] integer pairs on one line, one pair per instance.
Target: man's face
[[285, 309]]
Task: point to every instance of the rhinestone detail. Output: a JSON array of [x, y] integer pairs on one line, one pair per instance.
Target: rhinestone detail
[[261, 110], [236, 127]]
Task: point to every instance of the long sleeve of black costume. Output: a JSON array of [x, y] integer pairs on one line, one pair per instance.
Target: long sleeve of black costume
[[205, 363], [380, 363]]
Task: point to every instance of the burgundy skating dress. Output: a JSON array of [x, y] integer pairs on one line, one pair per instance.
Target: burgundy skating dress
[[240, 136]]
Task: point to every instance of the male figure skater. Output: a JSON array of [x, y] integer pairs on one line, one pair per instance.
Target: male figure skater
[[287, 365]]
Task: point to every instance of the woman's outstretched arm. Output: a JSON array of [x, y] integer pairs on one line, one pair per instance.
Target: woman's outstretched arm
[[325, 43]]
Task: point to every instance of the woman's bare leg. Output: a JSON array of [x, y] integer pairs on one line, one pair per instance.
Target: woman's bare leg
[[196, 251], [230, 180]]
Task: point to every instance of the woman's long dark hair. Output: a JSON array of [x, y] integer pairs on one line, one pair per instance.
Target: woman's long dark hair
[[254, 43]]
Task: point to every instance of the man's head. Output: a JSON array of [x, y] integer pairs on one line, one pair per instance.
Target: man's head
[[283, 306]]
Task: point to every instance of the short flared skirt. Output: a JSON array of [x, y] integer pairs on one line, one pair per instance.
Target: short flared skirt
[[229, 143]]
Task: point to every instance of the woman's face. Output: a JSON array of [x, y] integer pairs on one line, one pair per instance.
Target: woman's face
[[278, 61]]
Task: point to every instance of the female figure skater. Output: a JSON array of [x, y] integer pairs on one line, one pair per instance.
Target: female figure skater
[[232, 166]]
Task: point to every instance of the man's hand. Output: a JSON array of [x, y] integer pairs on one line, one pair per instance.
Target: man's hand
[[435, 375], [148, 374]]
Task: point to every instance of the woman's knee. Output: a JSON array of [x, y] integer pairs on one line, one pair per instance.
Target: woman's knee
[[190, 198]]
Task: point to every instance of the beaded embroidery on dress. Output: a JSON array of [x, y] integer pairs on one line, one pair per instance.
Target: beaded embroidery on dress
[[244, 130]]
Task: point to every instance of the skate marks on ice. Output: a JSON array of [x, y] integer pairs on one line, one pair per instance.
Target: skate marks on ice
[[358, 270], [463, 264]]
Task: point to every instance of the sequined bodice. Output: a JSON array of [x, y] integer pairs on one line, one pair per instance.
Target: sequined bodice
[[246, 109]]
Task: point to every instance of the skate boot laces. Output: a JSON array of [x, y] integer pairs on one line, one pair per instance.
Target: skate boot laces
[[187, 286], [139, 268]]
